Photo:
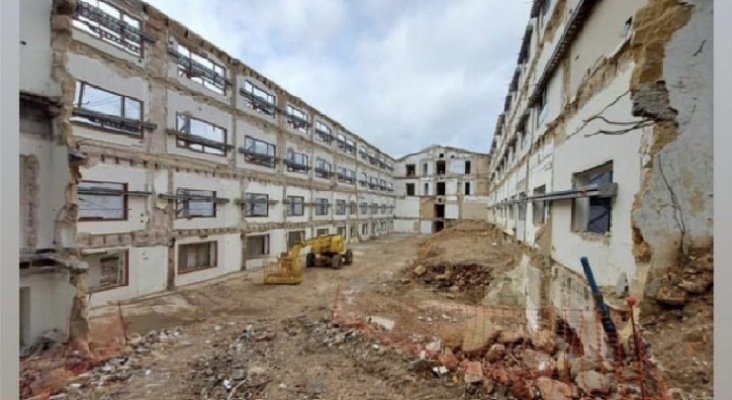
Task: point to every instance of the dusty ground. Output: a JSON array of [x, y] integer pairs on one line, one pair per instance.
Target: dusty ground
[[238, 339], [276, 336]]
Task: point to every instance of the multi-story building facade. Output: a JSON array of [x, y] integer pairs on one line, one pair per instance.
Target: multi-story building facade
[[151, 159], [440, 185], [604, 146]]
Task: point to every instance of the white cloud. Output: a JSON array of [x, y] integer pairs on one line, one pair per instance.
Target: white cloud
[[403, 75]]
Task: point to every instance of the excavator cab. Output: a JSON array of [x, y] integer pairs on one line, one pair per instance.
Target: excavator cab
[[327, 250]]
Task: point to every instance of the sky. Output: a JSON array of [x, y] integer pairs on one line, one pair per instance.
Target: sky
[[402, 74]]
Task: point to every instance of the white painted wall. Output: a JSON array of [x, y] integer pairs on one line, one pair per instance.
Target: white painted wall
[[612, 253], [137, 207], [50, 303], [35, 48], [229, 258], [52, 177], [148, 273]]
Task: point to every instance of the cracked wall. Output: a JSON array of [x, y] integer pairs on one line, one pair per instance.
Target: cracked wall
[[673, 87], [613, 93]]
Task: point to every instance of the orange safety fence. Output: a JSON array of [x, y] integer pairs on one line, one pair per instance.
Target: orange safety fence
[[43, 373], [558, 354]]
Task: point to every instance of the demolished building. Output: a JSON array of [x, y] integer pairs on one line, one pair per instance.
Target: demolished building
[[438, 186], [151, 159]]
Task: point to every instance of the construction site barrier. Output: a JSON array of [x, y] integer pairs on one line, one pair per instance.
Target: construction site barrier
[[558, 354]]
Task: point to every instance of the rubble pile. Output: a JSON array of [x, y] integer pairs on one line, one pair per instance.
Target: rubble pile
[[681, 326], [55, 372], [245, 366], [453, 278], [463, 259], [511, 363], [691, 278]]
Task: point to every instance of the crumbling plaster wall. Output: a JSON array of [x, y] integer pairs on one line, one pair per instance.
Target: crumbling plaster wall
[[674, 209]]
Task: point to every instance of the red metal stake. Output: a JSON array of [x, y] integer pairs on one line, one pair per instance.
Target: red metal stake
[[639, 352]]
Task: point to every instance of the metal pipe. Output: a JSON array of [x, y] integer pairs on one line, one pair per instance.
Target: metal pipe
[[607, 323]]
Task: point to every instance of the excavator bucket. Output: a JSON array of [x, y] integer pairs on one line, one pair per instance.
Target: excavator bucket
[[285, 271]]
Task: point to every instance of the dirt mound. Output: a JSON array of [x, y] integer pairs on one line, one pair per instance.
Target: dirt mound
[[464, 259]]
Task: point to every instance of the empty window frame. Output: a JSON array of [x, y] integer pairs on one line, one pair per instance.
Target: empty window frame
[[297, 162], [295, 237], [197, 256], [374, 208], [373, 182], [200, 136], [341, 141], [257, 246], [110, 24], [323, 169], [373, 158], [350, 146], [323, 132], [202, 70], [195, 203], [364, 208], [467, 188], [295, 206], [411, 170], [410, 189], [258, 99], [297, 119], [321, 207], [363, 180], [346, 175], [256, 205], [541, 108], [102, 201], [593, 214], [259, 152], [107, 110], [340, 207], [538, 208], [108, 271]]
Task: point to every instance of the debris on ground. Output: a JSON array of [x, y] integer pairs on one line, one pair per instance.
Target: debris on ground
[[463, 260], [54, 371], [681, 329], [246, 365]]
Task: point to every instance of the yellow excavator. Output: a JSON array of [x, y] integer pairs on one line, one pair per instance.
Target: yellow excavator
[[327, 250]]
